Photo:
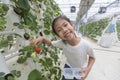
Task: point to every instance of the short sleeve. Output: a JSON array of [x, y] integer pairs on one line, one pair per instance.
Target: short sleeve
[[58, 43], [90, 50]]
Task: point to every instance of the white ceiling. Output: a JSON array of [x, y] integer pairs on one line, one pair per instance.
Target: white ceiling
[[65, 7], [66, 4]]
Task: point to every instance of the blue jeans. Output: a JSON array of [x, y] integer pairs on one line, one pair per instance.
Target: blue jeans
[[63, 78]]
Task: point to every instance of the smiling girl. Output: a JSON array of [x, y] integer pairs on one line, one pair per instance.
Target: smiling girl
[[78, 51]]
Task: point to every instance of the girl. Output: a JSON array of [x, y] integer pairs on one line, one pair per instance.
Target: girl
[[78, 52]]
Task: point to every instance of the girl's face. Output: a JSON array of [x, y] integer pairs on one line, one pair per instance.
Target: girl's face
[[64, 29]]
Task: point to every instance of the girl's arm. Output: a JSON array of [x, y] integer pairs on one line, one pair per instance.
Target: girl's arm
[[90, 63], [88, 68], [40, 40]]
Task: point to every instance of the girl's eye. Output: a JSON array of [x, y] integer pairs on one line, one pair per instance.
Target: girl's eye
[[65, 25], [58, 30]]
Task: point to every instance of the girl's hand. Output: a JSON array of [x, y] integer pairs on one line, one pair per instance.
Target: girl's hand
[[82, 78], [39, 40], [36, 42], [85, 71]]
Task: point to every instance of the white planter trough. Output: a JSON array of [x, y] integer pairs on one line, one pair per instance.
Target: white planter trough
[[3, 65]]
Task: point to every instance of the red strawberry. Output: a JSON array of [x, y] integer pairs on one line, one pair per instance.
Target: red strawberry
[[38, 50]]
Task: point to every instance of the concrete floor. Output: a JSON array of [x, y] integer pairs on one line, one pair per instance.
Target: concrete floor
[[106, 67]]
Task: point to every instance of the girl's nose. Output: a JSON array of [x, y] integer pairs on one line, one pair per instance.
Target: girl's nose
[[64, 29]]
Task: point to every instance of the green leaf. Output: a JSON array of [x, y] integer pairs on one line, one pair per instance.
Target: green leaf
[[17, 35], [17, 10], [10, 37], [47, 32], [2, 74], [35, 75], [4, 43], [5, 7], [21, 26], [16, 73], [35, 57], [26, 36], [10, 78], [1, 78], [22, 59], [24, 5], [15, 24]]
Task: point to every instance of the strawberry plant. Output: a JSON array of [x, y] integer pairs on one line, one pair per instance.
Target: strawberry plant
[[94, 29], [6, 77], [118, 30], [3, 11], [35, 18], [2, 75]]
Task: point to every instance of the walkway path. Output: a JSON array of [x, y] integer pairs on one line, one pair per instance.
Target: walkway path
[[107, 65]]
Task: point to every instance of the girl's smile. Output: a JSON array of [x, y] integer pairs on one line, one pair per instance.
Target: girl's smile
[[64, 29]]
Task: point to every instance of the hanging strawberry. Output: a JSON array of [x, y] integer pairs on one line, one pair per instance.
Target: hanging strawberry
[[38, 50]]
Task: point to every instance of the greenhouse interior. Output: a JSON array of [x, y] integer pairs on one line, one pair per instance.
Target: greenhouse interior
[[96, 21]]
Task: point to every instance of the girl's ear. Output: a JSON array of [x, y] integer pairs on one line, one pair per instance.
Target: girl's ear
[[72, 23]]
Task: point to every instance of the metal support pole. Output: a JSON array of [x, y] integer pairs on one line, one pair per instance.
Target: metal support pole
[[85, 20]]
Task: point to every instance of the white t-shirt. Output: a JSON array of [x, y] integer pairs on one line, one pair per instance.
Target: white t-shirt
[[77, 56]]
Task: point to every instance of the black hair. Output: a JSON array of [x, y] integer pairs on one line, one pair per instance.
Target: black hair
[[56, 19]]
